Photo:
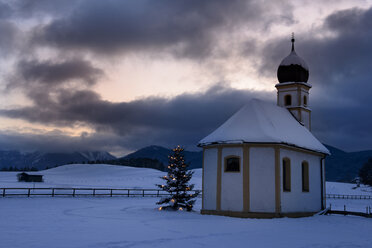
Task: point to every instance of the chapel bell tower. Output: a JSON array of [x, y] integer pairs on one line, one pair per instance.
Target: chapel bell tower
[[293, 89]]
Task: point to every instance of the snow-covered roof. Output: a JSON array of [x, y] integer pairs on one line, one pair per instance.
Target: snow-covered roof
[[294, 59], [262, 122]]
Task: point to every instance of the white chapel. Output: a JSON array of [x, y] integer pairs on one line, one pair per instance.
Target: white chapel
[[264, 161]]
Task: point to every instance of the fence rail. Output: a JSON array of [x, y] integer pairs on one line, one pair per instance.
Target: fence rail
[[84, 192], [120, 192], [358, 197], [329, 210]]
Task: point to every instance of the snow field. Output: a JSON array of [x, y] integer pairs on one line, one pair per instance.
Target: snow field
[[95, 176], [67, 222], [112, 176], [136, 222]]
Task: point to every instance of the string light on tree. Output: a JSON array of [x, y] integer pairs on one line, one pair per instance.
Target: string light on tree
[[177, 183]]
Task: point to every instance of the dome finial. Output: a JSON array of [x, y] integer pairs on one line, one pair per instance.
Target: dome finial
[[293, 68], [293, 40]]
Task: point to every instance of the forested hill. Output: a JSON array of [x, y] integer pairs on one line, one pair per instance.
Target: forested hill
[[344, 166]]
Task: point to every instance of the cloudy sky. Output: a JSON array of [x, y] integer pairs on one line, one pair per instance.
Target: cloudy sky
[[118, 75]]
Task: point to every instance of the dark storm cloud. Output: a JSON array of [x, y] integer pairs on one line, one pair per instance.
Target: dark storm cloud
[[338, 54], [41, 77], [9, 35], [48, 83], [9, 32], [340, 71], [56, 73], [186, 27], [6, 10], [57, 141], [183, 119], [345, 54], [31, 8]]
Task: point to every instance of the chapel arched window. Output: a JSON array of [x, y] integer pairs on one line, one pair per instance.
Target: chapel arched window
[[305, 176], [286, 175], [288, 100]]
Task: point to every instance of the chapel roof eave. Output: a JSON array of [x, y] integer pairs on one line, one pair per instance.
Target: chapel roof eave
[[258, 144]]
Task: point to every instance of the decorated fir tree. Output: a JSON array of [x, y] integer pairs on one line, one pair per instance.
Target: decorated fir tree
[[177, 184]]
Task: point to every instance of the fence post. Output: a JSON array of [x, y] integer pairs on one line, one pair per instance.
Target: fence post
[[94, 192], [111, 192], [143, 193], [53, 192], [157, 194], [73, 193], [128, 192], [29, 192], [3, 192]]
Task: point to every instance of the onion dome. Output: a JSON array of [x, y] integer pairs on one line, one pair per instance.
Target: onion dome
[[293, 68]]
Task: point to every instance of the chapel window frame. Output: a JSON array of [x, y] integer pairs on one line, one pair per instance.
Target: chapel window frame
[[305, 176], [230, 170], [286, 175]]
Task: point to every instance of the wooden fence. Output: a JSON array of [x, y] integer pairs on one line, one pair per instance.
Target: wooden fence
[[358, 197], [84, 192], [119, 192], [367, 214]]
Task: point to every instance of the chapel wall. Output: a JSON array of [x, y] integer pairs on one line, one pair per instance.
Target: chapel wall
[[210, 178], [232, 182], [262, 179], [296, 200]]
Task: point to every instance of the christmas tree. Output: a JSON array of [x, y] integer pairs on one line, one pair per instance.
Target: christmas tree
[[177, 183]]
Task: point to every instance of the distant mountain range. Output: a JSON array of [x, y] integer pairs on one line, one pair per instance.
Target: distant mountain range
[[344, 166], [40, 160], [341, 166], [194, 159]]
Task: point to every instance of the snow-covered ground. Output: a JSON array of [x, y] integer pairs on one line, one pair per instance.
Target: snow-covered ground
[[347, 189], [112, 176], [136, 222], [95, 176]]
